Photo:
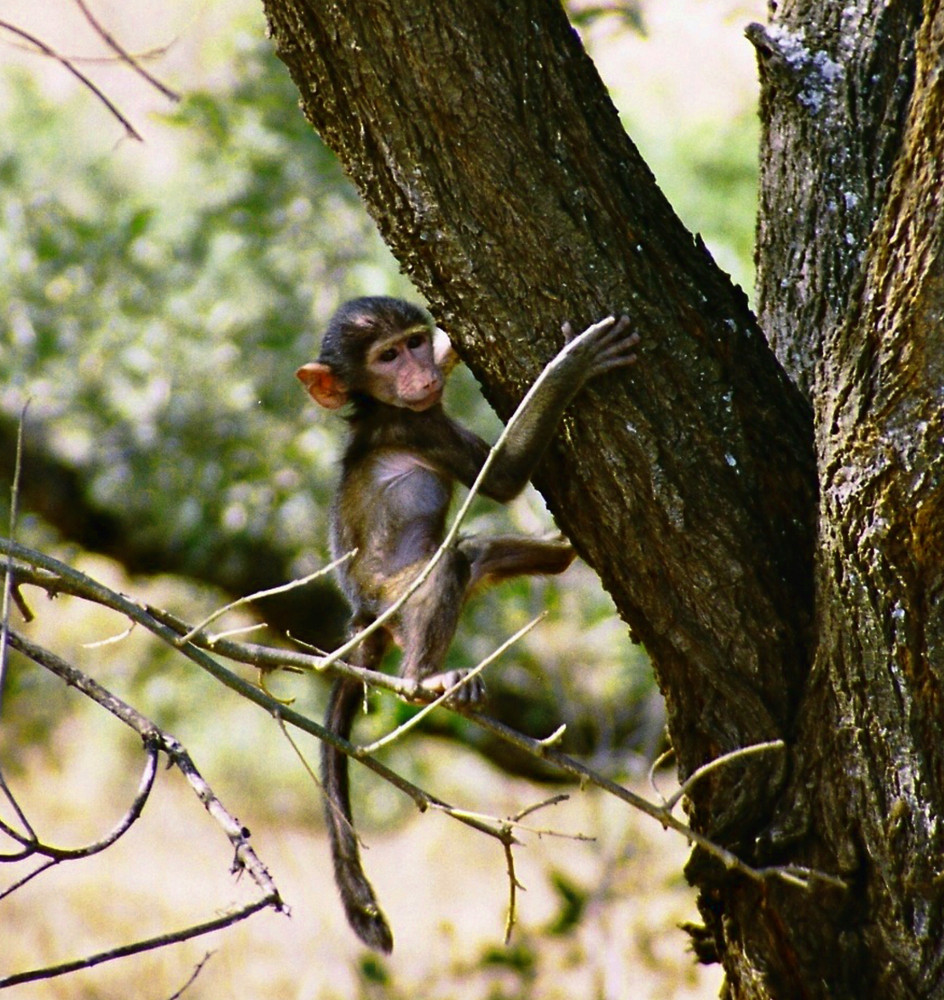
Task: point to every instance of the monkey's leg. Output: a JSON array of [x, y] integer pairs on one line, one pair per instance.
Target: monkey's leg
[[503, 556], [357, 895], [427, 625]]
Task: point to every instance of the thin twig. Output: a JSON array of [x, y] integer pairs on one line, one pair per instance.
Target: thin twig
[[271, 592], [723, 761], [656, 764], [245, 857], [21, 816], [111, 640], [32, 845], [78, 74], [54, 577], [309, 770], [554, 800], [193, 976], [8, 574], [585, 774], [123, 53], [513, 886], [161, 941], [329, 802], [55, 856], [230, 632], [92, 590], [410, 723], [63, 577]]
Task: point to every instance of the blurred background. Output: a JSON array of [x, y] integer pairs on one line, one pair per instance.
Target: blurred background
[[155, 302]]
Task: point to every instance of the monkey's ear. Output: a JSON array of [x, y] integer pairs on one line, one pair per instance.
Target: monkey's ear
[[324, 387], [444, 353]]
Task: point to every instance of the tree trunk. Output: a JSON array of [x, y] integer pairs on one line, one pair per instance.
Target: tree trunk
[[853, 107], [485, 146]]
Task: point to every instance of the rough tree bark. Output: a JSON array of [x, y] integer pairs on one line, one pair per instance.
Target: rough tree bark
[[851, 290], [484, 144]]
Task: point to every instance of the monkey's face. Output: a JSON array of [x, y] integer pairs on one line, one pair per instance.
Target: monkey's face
[[401, 370]]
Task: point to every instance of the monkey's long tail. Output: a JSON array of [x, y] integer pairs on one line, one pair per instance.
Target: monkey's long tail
[[357, 895]]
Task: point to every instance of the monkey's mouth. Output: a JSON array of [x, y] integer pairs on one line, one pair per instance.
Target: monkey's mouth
[[426, 402]]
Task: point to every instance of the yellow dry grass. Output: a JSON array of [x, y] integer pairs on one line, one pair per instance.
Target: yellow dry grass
[[444, 889]]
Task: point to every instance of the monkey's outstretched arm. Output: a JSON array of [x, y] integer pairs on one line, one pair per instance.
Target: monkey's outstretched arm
[[600, 348]]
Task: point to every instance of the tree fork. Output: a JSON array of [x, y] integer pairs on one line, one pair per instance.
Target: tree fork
[[486, 148]]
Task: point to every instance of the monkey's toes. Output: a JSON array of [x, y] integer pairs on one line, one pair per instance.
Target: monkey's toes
[[472, 691]]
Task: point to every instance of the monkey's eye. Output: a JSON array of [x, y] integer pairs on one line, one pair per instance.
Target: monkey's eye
[[417, 340], [390, 354]]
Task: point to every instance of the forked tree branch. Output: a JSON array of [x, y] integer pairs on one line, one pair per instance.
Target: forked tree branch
[[123, 54], [155, 740], [41, 47], [55, 577]]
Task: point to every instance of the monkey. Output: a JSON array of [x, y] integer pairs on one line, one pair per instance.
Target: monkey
[[384, 359]]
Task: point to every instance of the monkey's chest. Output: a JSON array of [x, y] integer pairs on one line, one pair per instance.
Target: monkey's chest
[[393, 511], [406, 482]]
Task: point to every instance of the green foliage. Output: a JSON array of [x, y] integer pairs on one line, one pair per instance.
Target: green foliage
[[156, 323], [573, 903], [155, 317], [518, 957], [708, 171], [374, 970], [716, 189], [628, 12]]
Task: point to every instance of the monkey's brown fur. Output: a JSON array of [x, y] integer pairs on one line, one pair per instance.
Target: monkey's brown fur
[[402, 459]]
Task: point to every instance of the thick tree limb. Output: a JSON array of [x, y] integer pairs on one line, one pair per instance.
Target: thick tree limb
[[485, 146]]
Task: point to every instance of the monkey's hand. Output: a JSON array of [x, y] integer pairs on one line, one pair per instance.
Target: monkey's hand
[[472, 691], [600, 348]]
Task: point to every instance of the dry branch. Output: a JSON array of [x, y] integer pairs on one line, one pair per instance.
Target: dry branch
[[56, 576], [155, 740], [45, 50]]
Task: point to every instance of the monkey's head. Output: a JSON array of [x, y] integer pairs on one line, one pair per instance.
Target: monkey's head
[[382, 349]]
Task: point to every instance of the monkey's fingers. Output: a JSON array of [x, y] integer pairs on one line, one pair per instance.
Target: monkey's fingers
[[619, 349], [601, 347], [616, 334], [589, 334]]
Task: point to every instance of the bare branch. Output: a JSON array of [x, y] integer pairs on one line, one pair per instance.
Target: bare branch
[[161, 941], [55, 577], [8, 586], [719, 762], [68, 580], [64, 578], [23, 839], [45, 50], [271, 592], [111, 640], [153, 735], [193, 976], [513, 886], [662, 814], [123, 53], [33, 845], [446, 695], [54, 856], [661, 760]]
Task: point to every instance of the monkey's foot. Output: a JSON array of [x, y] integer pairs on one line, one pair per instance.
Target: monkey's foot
[[471, 693]]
